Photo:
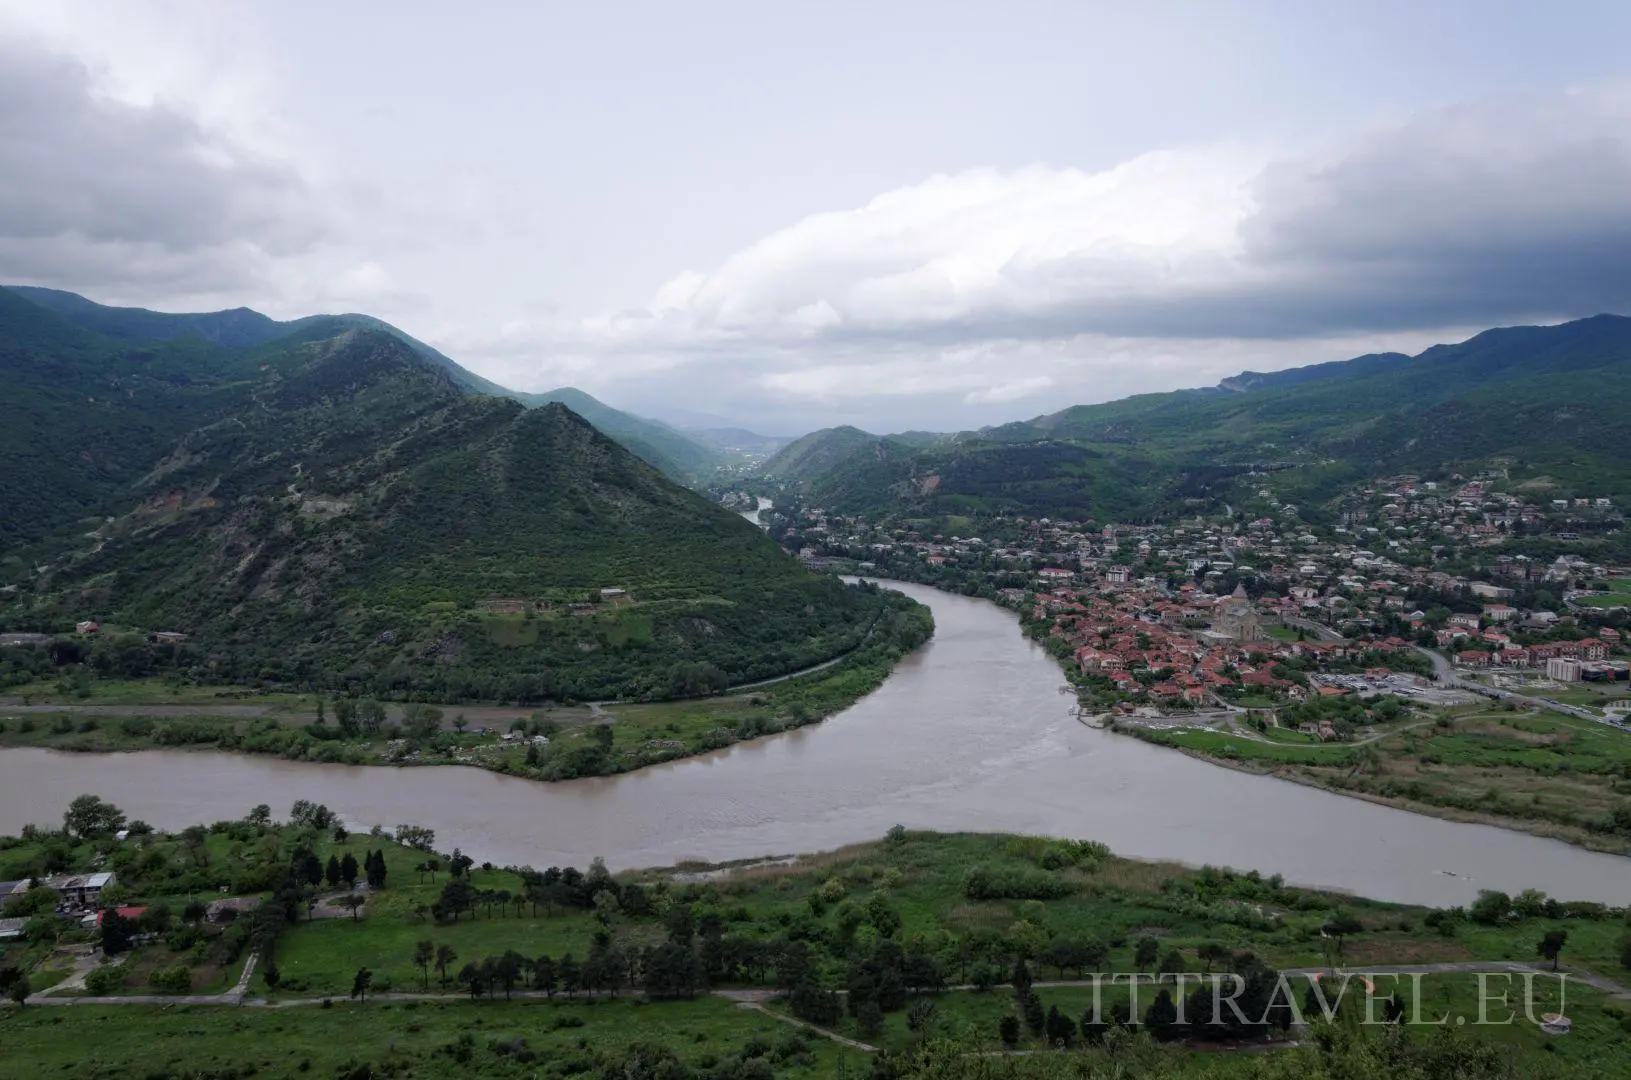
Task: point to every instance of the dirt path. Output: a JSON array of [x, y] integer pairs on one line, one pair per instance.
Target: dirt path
[[793, 1021], [10, 707]]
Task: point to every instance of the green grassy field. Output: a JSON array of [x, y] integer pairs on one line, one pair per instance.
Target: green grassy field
[[1618, 595], [405, 1040], [919, 885], [1540, 772]]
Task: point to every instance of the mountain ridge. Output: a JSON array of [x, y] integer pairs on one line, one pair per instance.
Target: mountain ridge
[[1508, 393], [671, 450]]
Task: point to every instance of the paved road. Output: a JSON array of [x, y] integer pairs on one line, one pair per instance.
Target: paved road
[[1446, 674], [757, 996]]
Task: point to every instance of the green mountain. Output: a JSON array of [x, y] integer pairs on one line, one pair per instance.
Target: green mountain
[[237, 327], [816, 454], [333, 508], [669, 449], [1541, 402], [738, 443], [675, 453]]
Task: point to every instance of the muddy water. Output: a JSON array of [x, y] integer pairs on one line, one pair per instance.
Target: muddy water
[[970, 732]]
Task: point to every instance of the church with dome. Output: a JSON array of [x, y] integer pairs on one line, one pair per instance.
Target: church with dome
[[1236, 617]]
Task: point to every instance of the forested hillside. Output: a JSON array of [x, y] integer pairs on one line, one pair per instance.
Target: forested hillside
[[678, 455], [1537, 401], [335, 509]]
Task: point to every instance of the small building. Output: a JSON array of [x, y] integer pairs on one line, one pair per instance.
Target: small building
[[87, 626], [81, 890], [1563, 669]]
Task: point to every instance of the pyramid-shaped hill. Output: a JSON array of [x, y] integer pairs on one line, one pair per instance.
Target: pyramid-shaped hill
[[345, 515]]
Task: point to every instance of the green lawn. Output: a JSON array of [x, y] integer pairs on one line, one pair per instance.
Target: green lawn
[[405, 1040]]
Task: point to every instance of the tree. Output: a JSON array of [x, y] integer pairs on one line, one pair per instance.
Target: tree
[[444, 956], [1171, 964], [348, 870], [1036, 1018], [474, 978], [1008, 1028], [351, 902], [1021, 980], [506, 970], [271, 975], [543, 975], [116, 932], [1162, 1017], [1212, 952], [424, 954], [1060, 1029], [345, 715], [1145, 952], [308, 869], [1491, 908], [19, 989], [331, 872], [89, 816], [361, 983], [373, 866], [1551, 944], [193, 838], [1339, 926], [869, 1019]]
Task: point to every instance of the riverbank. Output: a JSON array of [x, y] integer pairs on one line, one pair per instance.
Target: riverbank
[[551, 743], [1542, 774], [969, 732], [878, 946]]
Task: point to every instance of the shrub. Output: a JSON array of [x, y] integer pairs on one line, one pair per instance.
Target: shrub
[[986, 883], [175, 979], [105, 979]]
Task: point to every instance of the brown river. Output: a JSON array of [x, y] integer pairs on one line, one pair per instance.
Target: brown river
[[969, 733]]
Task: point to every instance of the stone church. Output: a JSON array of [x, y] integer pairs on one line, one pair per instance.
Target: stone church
[[1236, 616]]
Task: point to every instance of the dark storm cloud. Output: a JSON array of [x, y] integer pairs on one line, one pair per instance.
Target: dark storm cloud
[[98, 192], [1508, 210]]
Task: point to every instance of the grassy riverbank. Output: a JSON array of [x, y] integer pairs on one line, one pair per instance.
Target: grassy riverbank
[[1543, 773], [909, 928], [554, 742]]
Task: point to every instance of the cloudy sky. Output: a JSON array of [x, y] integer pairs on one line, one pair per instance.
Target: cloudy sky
[[899, 215]]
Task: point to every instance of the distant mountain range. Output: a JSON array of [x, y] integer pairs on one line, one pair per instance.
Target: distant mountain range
[[685, 456], [329, 503], [1545, 402]]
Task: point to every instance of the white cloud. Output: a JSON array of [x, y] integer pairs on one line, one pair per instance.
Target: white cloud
[[1013, 390], [154, 167]]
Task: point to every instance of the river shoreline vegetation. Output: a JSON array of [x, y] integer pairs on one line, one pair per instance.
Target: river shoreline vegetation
[[921, 954], [552, 742], [1540, 773]]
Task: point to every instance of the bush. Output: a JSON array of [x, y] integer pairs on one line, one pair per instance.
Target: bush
[[105, 979], [985, 883], [175, 979]]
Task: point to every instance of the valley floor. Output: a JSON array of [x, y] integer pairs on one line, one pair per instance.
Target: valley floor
[[917, 895]]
